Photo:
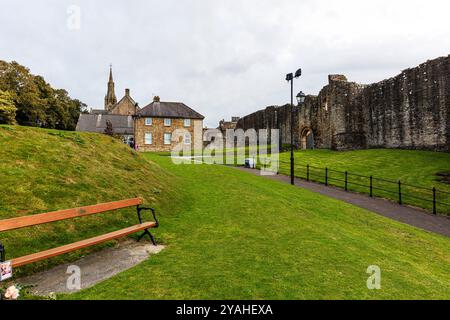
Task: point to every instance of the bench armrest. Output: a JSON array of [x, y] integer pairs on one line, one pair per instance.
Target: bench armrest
[[139, 209]]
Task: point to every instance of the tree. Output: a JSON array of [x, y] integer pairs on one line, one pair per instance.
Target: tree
[[37, 103], [7, 108], [109, 128]]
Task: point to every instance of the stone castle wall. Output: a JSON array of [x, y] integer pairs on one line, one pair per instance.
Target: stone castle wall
[[411, 111]]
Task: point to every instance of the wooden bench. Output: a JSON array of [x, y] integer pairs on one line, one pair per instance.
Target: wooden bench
[[37, 219]]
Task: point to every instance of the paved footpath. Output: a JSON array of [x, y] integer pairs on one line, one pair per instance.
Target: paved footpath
[[412, 216], [95, 267]]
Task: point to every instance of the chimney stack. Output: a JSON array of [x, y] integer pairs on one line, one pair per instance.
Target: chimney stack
[[156, 99], [127, 92]]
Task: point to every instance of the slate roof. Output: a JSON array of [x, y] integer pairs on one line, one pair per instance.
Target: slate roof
[[97, 123], [169, 110]]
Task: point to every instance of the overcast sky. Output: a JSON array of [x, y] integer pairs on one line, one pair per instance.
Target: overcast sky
[[221, 57]]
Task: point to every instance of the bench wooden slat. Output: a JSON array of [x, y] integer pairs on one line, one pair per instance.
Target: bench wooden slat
[[31, 220], [17, 262]]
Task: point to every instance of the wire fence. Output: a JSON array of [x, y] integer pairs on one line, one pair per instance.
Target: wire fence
[[404, 193]]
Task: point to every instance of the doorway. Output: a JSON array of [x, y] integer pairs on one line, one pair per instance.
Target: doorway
[[307, 139]]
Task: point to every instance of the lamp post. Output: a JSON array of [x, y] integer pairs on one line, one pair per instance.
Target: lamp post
[[290, 77], [301, 98]]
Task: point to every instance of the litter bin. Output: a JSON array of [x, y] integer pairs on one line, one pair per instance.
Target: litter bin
[[250, 163]]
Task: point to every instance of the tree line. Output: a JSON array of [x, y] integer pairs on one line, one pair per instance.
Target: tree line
[[28, 100]]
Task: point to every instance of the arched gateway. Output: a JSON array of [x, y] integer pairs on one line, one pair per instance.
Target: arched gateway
[[307, 139]]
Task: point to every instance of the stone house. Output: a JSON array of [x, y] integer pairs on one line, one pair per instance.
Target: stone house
[[155, 124], [228, 125], [126, 105], [147, 129]]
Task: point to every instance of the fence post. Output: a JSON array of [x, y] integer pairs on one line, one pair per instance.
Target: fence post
[[346, 181], [434, 201], [371, 186], [307, 172], [326, 176], [399, 192]]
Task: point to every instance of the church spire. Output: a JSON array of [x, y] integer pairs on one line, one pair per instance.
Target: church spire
[[110, 98], [110, 73]]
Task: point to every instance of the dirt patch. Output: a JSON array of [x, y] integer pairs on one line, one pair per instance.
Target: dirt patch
[[93, 268]]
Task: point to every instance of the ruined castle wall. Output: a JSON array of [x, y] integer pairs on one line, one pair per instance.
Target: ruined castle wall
[[346, 119], [411, 111], [272, 118], [313, 114]]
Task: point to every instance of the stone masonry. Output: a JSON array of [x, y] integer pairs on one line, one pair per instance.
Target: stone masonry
[[410, 111], [157, 129], [126, 106]]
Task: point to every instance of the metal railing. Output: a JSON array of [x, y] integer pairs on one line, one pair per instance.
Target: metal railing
[[403, 193]]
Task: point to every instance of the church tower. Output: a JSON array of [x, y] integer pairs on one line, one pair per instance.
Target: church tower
[[110, 98]]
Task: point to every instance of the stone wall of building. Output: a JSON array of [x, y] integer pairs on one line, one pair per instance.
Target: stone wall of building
[[157, 129], [228, 125], [411, 111], [126, 106]]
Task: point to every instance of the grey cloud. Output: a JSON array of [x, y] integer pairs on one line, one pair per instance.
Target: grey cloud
[[222, 57]]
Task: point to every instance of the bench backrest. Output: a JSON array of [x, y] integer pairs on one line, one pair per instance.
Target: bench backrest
[[27, 221]]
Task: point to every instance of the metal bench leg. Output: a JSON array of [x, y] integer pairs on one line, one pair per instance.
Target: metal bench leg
[[146, 232], [2, 252]]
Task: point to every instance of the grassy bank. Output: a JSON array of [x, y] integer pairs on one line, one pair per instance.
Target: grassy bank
[[46, 170]]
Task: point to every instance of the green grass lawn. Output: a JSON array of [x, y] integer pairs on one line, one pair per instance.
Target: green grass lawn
[[416, 168], [233, 235]]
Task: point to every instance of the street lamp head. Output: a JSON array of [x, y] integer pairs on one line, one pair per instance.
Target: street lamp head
[[289, 77], [301, 97], [298, 73]]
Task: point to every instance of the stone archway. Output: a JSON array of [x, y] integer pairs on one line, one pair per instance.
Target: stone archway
[[307, 139]]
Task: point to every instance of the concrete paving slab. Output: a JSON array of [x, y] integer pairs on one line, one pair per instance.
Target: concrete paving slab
[[93, 268]]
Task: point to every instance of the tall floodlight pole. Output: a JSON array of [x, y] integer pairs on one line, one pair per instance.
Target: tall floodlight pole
[[290, 77]]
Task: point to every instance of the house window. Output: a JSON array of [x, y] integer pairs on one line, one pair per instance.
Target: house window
[[167, 122], [187, 122], [148, 138], [148, 121], [187, 138], [167, 138]]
